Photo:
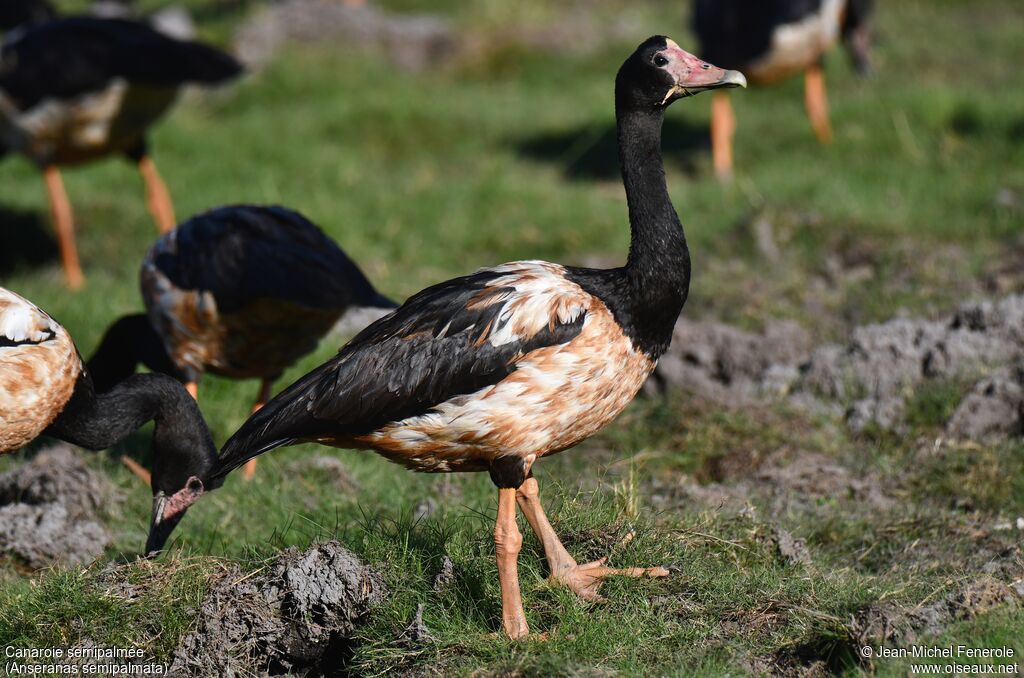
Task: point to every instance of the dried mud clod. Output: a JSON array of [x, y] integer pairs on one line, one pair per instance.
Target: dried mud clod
[[873, 374], [993, 409], [57, 475], [412, 41], [49, 510], [888, 623], [729, 366], [882, 364], [297, 617], [832, 652], [791, 549]]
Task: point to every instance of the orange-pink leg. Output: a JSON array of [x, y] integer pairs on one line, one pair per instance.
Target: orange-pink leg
[[816, 103], [507, 544], [584, 579], [723, 126], [249, 470], [63, 221], [158, 198]]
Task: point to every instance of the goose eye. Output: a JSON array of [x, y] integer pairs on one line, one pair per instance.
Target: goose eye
[[660, 60], [706, 66]]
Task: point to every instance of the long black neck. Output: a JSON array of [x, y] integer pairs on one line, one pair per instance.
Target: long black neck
[[182, 445], [129, 341], [658, 268]]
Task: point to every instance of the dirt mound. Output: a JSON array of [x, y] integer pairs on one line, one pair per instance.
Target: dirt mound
[[730, 366], [889, 623], [49, 507], [295, 618], [872, 375], [882, 364], [994, 408], [57, 475], [411, 41]]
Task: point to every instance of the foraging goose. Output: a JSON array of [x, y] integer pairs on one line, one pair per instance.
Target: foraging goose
[[44, 390], [773, 39], [242, 291], [78, 89], [496, 370]]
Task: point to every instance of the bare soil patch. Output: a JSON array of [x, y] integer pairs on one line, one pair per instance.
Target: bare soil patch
[[49, 510]]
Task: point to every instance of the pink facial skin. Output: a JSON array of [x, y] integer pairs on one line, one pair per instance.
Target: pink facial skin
[[691, 74], [183, 498]]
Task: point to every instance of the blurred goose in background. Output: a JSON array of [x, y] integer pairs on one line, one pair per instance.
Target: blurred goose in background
[[15, 13], [45, 390], [773, 39], [79, 89], [495, 370], [241, 291]]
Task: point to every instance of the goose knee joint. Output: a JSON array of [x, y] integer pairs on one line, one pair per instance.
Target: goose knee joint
[[507, 541], [528, 490]]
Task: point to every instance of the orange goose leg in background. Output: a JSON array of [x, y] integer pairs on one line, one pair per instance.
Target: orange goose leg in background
[[817, 103], [585, 579], [138, 469], [249, 470], [723, 126], [63, 221], [158, 198]]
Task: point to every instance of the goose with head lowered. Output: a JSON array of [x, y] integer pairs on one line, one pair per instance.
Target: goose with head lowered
[[499, 369], [45, 390], [242, 291]]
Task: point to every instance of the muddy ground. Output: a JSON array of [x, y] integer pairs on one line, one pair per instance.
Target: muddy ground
[[868, 379], [51, 510], [410, 41]]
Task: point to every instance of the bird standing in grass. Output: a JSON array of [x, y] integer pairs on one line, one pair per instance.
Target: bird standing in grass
[[771, 40], [45, 390], [79, 89], [499, 369], [242, 291]]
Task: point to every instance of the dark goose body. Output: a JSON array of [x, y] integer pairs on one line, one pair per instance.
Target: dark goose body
[[75, 89], [241, 291], [45, 390], [771, 39]]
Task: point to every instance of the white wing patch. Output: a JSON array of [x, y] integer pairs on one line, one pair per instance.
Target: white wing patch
[[540, 297], [22, 321]]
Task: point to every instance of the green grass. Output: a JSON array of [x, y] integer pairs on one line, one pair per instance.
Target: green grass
[[421, 176]]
